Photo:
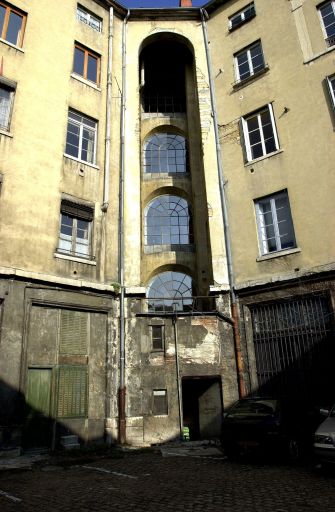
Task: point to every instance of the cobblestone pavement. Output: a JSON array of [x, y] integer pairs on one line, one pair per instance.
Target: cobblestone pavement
[[146, 481]]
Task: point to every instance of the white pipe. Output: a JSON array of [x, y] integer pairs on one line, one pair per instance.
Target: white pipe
[[104, 206]]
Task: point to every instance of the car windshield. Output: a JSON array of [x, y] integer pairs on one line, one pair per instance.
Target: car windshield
[[260, 407], [332, 412]]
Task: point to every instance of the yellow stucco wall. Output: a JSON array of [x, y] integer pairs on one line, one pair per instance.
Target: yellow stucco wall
[[291, 36], [35, 170]]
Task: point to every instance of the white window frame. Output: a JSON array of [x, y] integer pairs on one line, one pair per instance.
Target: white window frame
[[331, 87], [88, 18], [73, 239], [246, 132], [241, 13], [82, 125], [261, 228], [326, 37], [247, 51]]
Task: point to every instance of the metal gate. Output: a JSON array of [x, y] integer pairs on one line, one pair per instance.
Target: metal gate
[[294, 347]]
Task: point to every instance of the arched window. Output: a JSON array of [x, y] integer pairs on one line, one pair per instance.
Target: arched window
[[170, 291], [165, 153], [168, 221]]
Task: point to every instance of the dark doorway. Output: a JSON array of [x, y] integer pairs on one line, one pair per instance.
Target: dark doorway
[[202, 406]]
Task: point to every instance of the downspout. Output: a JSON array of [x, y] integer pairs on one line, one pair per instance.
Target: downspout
[[105, 203], [224, 211], [179, 394], [122, 388]]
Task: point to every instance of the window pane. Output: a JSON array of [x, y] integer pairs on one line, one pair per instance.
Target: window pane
[[66, 224], [92, 68], [4, 107], [328, 16], [257, 58], [257, 151], [87, 151], [14, 28], [82, 229], [2, 19], [79, 59], [72, 140]]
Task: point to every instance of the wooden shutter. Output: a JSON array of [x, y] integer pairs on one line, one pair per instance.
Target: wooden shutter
[[73, 332], [72, 392]]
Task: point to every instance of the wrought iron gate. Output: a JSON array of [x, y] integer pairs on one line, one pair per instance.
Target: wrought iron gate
[[294, 347]]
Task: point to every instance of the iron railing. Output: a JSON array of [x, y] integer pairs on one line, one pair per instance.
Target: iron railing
[[160, 104]]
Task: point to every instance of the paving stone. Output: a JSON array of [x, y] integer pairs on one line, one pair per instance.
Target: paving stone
[[176, 484]]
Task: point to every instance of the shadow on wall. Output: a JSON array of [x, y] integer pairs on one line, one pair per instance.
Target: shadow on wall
[[29, 428]]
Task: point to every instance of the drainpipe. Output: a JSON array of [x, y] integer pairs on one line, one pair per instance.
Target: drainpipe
[[104, 206], [224, 210], [122, 388], [180, 407]]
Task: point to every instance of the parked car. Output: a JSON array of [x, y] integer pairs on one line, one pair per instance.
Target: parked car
[[324, 439], [268, 426]]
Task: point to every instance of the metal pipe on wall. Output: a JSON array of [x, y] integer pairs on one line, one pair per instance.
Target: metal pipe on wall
[[104, 206], [122, 388], [225, 218]]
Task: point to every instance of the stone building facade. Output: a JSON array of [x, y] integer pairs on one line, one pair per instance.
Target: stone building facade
[[166, 215]]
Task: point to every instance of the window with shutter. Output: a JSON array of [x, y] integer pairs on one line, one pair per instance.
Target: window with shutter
[[73, 333], [72, 392]]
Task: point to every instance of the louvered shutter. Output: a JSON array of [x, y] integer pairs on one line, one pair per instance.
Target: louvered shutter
[[73, 332], [72, 392]]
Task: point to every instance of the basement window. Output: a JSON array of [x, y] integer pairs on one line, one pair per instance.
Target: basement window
[[160, 404]]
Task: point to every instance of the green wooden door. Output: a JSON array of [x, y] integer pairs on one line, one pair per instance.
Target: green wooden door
[[38, 424]]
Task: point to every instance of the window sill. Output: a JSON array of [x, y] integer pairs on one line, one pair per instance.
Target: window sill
[[11, 45], [285, 252], [73, 258], [241, 83], [86, 82], [8, 134], [81, 161], [318, 55], [269, 155]]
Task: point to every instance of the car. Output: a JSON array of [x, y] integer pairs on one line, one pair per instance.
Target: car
[[324, 439], [268, 426]]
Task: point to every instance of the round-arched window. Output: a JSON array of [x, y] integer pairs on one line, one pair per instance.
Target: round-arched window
[[168, 221], [170, 291], [165, 153]]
